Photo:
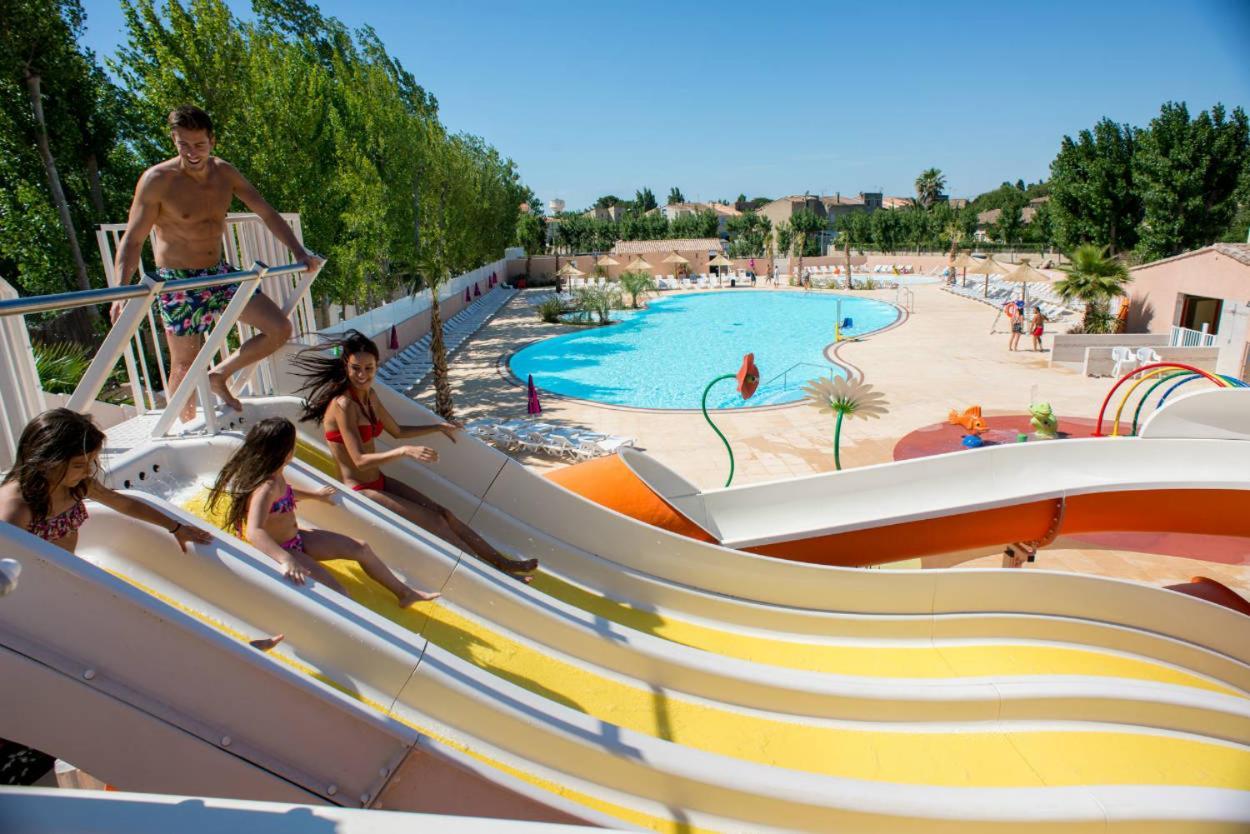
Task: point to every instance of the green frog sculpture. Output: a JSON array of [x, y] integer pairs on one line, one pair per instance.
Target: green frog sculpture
[[1045, 423]]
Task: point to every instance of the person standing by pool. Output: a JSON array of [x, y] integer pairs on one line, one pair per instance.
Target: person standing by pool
[[185, 200], [1037, 327], [1016, 319]]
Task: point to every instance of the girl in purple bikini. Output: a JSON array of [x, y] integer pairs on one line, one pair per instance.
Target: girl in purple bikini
[[57, 462], [260, 507]]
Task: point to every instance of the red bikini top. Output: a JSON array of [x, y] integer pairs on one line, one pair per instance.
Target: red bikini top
[[368, 431]]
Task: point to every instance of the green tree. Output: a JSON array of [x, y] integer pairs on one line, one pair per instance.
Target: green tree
[[644, 200], [929, 186], [700, 224], [675, 196], [607, 201], [748, 235], [635, 284], [1188, 172], [886, 228], [1093, 198], [806, 226], [39, 57], [1094, 278], [1009, 224]]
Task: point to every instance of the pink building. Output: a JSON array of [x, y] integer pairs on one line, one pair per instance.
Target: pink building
[[1198, 298]]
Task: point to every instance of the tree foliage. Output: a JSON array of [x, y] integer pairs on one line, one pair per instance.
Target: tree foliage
[[929, 187], [1093, 278], [1093, 199], [748, 235], [1188, 173], [675, 196]]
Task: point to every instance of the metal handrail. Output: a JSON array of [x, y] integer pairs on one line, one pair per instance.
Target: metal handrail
[[105, 295], [783, 376]]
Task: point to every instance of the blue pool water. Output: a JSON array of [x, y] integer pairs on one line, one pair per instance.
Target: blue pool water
[[664, 356]]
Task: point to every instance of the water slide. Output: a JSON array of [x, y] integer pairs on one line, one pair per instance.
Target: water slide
[[647, 680]]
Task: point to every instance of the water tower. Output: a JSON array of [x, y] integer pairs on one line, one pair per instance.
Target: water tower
[[554, 207]]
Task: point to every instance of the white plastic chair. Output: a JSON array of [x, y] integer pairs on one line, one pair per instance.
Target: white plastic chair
[[1123, 358], [1147, 356]]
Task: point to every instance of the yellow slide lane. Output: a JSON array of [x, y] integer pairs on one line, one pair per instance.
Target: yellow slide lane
[[885, 661], [963, 758]]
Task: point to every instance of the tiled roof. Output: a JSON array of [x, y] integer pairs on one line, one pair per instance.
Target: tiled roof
[[1239, 252], [644, 247], [985, 218]]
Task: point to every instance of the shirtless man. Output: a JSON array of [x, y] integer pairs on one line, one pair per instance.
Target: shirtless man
[[186, 200]]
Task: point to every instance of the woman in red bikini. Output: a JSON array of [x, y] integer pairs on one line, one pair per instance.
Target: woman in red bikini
[[341, 398], [57, 460]]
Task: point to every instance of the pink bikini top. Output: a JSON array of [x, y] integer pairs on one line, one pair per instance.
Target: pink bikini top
[[61, 525]]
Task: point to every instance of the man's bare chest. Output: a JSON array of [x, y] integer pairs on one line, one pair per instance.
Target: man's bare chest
[[191, 203]]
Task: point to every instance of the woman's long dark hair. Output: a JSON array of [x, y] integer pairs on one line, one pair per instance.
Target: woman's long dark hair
[[262, 455], [326, 371], [43, 453]]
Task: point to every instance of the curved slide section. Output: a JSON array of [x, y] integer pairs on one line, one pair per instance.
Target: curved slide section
[[630, 572], [447, 700]]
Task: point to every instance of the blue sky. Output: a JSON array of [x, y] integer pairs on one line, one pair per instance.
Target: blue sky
[[785, 97]]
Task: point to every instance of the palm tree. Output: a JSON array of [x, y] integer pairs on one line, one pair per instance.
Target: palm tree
[[1093, 278], [636, 283], [929, 186]]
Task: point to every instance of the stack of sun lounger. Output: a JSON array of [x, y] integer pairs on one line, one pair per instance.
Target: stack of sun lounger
[[1053, 306], [407, 369], [547, 438]]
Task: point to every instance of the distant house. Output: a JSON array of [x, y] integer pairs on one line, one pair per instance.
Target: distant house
[[783, 209], [723, 213], [613, 213], [1199, 298], [986, 219]]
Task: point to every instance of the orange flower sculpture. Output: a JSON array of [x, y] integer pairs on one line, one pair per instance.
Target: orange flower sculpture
[[748, 377]]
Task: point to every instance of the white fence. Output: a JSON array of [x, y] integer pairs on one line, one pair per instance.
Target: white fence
[[381, 319], [246, 240], [1185, 337]]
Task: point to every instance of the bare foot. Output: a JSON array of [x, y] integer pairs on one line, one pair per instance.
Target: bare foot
[[413, 595], [267, 643], [217, 382], [519, 569]]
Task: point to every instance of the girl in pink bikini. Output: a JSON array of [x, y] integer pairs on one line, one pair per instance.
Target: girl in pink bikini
[[261, 508], [46, 490]]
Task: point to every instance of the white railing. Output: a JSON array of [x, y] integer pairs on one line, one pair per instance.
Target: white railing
[[245, 241], [379, 320], [21, 396], [1186, 337], [904, 298]]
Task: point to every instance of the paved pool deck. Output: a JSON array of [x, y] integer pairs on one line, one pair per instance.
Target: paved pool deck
[[942, 357]]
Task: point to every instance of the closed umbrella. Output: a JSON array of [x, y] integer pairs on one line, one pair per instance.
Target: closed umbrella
[[532, 406], [467, 298], [477, 291], [393, 344]]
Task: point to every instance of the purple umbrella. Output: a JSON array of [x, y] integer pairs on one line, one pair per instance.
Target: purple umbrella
[[477, 291], [467, 297], [394, 342], [533, 407]]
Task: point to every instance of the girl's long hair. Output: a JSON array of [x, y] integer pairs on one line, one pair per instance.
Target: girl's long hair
[[264, 452], [43, 453], [325, 370]]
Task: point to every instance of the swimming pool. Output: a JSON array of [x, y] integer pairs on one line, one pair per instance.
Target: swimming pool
[[664, 356]]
